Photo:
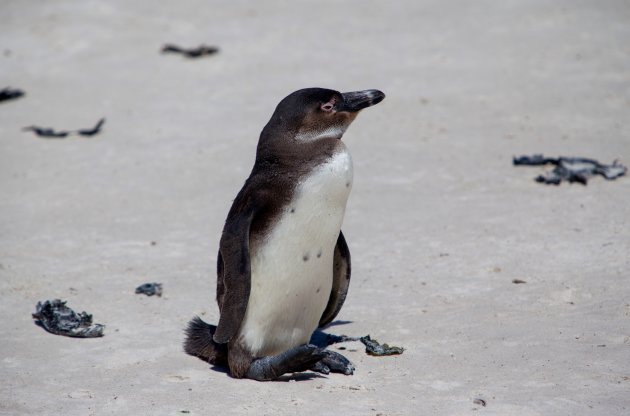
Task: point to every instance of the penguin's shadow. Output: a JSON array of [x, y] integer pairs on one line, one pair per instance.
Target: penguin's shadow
[[305, 376], [220, 369], [338, 322]]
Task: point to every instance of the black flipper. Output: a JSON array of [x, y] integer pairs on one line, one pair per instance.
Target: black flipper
[[235, 271], [341, 281]]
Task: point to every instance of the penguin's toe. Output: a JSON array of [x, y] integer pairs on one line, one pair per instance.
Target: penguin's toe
[[335, 363], [321, 368]]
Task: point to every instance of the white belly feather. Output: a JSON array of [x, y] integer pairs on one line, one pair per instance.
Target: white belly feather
[[291, 269]]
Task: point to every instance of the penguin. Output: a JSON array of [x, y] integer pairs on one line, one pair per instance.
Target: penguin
[[283, 267]]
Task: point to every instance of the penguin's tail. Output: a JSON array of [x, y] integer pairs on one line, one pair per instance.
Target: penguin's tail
[[199, 342]]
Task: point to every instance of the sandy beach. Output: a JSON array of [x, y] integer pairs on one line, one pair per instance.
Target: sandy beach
[[439, 221]]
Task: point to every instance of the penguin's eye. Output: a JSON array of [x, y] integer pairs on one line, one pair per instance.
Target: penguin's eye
[[327, 107]]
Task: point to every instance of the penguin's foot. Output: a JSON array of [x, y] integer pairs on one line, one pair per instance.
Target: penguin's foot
[[333, 362], [297, 359], [323, 339]]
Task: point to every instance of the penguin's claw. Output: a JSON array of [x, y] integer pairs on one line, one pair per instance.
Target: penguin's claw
[[335, 363], [321, 368]]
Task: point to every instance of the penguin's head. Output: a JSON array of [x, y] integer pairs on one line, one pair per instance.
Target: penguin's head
[[311, 114]]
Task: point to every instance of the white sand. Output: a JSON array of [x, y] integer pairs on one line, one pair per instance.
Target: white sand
[[439, 223]]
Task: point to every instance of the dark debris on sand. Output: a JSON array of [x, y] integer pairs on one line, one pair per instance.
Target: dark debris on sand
[[50, 133], [197, 52], [570, 169], [149, 289], [10, 94], [372, 347], [55, 317]]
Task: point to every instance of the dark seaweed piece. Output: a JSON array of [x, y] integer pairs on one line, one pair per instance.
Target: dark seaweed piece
[[534, 160], [372, 347], [150, 289], [55, 317], [95, 130], [191, 52], [479, 401], [571, 169], [53, 134], [47, 132], [10, 94]]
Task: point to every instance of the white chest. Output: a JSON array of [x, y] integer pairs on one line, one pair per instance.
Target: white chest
[[291, 270]]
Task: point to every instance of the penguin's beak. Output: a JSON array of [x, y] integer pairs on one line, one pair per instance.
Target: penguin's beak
[[358, 100]]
